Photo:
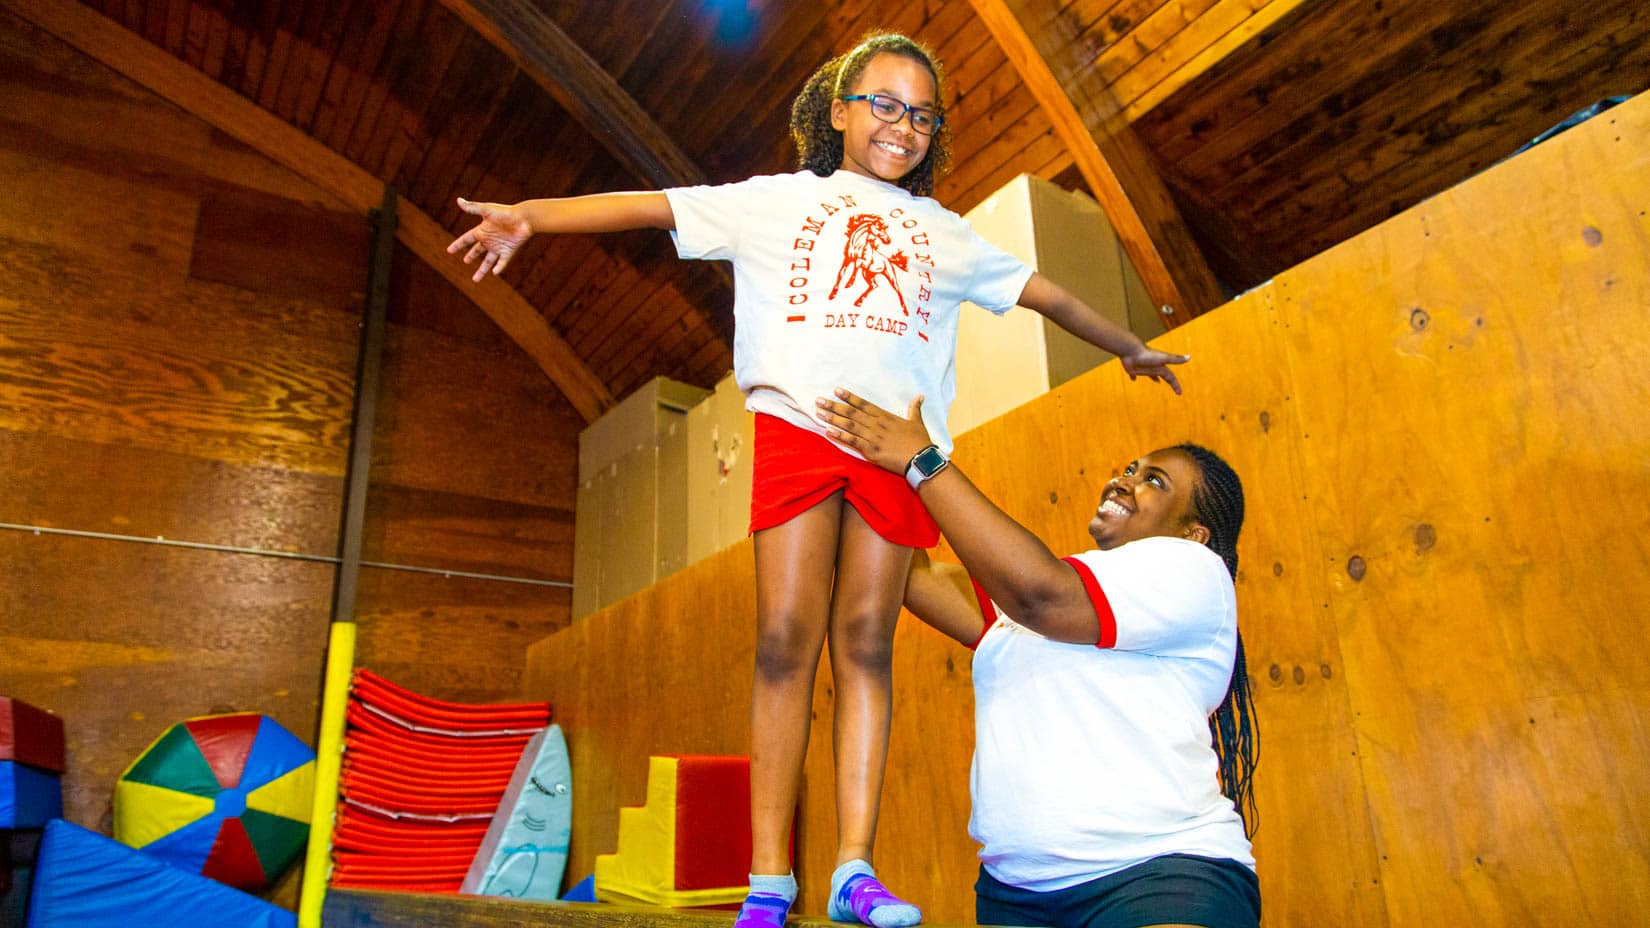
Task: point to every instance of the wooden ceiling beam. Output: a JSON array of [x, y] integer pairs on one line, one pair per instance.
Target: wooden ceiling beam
[[1116, 166], [150, 66], [579, 84]]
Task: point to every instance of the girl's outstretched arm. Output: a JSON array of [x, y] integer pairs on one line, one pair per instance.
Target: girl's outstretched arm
[[1013, 566], [1068, 312], [505, 227]]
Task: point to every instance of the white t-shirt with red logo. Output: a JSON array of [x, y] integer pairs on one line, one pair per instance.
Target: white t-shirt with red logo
[[1091, 758], [844, 281]]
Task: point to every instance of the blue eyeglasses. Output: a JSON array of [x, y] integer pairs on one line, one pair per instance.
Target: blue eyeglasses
[[892, 109]]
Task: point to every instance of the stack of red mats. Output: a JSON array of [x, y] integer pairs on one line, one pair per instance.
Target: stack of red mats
[[421, 779]]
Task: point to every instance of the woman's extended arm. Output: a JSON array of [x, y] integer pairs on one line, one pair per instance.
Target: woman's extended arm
[[1065, 310], [942, 596], [1018, 571], [504, 227]]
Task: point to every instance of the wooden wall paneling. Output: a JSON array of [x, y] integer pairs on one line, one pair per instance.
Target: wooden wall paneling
[[730, 123], [363, 47], [194, 37], [1218, 112], [1455, 494], [453, 638], [411, 85], [260, 35], [376, 106], [1204, 46], [615, 716], [599, 286], [651, 318], [302, 47], [420, 298], [579, 84], [69, 483], [452, 417], [342, 178], [576, 270], [236, 46], [1489, 108], [631, 311], [648, 20], [1273, 89], [179, 374], [1118, 171], [277, 34], [269, 243], [154, 21], [1017, 153], [1121, 51], [516, 156], [1395, 88], [442, 529], [1499, 121], [217, 42], [468, 107], [123, 640]]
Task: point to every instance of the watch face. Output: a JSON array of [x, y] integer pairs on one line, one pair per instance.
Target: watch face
[[929, 461]]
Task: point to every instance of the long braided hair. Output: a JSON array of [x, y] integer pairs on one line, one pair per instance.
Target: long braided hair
[[819, 145], [1217, 503]]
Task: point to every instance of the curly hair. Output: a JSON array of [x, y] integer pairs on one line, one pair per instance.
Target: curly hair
[[1217, 503], [819, 145]]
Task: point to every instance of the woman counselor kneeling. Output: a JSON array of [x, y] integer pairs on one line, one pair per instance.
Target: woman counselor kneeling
[[1113, 746]]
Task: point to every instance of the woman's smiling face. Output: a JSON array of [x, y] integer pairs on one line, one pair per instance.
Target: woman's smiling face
[[1152, 497], [871, 147]]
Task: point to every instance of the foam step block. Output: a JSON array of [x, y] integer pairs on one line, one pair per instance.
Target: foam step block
[[31, 736], [690, 844], [28, 797], [83, 879]]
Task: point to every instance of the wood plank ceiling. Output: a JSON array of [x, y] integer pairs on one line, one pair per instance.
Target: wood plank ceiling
[[1272, 128]]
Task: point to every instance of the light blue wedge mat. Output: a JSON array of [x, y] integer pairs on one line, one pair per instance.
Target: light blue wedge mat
[[524, 853]]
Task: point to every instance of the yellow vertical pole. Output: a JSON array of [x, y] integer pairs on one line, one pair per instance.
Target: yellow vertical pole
[[329, 740]]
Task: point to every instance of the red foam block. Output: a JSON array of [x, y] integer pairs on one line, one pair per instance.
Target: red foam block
[[30, 736]]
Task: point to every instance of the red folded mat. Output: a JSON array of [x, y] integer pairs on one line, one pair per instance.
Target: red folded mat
[[420, 783]]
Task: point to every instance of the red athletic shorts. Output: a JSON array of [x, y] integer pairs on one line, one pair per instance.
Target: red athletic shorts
[[795, 469]]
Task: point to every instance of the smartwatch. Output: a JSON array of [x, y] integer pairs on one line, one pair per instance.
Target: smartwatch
[[925, 464]]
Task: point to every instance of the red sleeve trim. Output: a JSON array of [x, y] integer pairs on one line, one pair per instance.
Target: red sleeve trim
[[1102, 605], [988, 613]]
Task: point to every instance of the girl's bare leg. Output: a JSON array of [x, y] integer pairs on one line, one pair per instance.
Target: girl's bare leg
[[794, 565], [870, 584], [864, 611]]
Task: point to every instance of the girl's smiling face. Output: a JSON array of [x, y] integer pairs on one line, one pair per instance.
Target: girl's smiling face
[[871, 147]]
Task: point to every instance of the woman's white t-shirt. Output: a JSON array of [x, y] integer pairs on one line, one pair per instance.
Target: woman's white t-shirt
[[1089, 759]]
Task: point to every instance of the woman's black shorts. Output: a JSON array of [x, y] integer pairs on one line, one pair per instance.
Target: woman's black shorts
[[1173, 889]]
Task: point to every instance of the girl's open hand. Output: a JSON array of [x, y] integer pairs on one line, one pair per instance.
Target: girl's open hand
[[885, 439], [1149, 362], [502, 230]]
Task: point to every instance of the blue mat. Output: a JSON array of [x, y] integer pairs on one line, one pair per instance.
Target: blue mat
[[84, 880], [28, 797]]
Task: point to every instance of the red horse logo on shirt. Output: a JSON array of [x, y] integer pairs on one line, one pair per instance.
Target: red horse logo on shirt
[[862, 257]]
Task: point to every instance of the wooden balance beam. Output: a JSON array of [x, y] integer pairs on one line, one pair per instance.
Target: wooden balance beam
[[371, 908]]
